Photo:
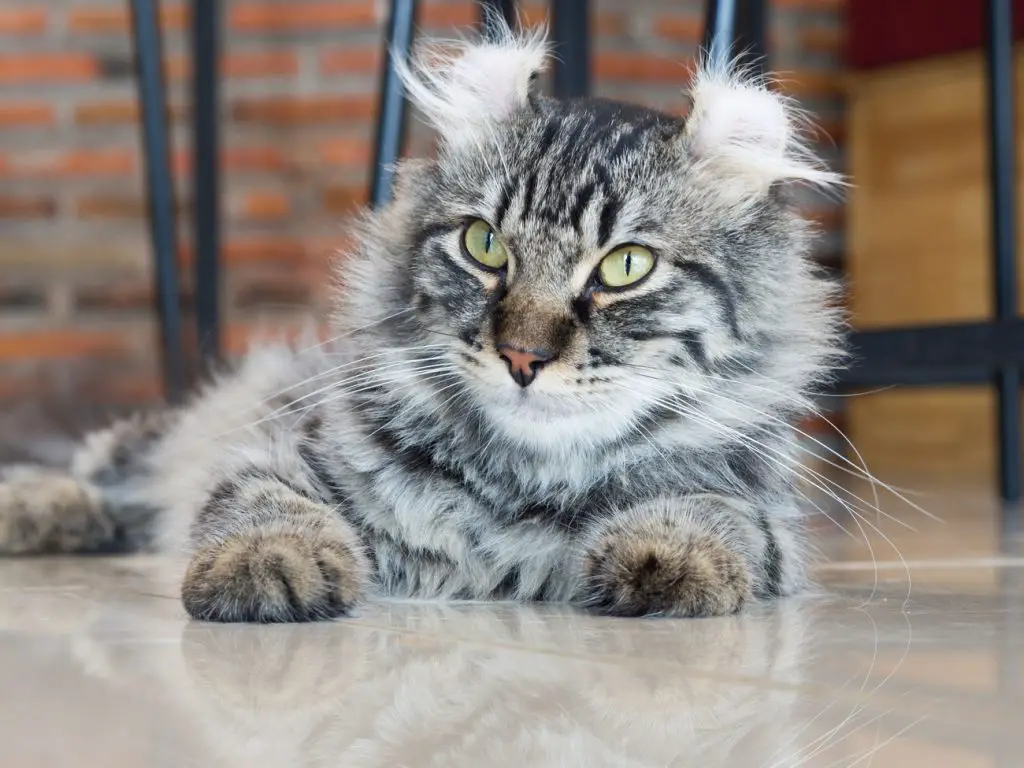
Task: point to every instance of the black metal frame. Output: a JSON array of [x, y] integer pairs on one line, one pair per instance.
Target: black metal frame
[[1003, 167], [736, 30], [206, 18], [391, 117], [498, 9], [570, 32], [159, 191]]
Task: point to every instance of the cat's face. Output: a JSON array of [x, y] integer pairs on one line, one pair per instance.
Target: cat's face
[[585, 265], [562, 261]]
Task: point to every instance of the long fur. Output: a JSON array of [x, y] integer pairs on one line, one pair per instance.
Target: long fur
[[649, 469]]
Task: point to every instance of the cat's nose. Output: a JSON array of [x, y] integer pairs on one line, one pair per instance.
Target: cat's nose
[[523, 364]]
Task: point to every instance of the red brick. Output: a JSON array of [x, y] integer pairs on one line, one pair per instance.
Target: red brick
[[129, 389], [267, 159], [610, 23], [241, 64], [262, 206], [448, 14], [23, 20], [238, 337], [259, 158], [17, 387], [109, 207], [274, 291], [684, 29], [260, 64], [114, 206], [300, 110], [117, 112], [74, 162], [27, 207], [107, 112], [110, 19], [258, 250], [96, 162], [340, 200], [14, 114], [640, 68], [300, 16], [64, 344], [822, 40], [118, 295], [350, 61], [344, 151], [47, 67]]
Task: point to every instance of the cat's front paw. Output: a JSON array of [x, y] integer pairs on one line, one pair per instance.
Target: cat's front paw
[[659, 568], [275, 574]]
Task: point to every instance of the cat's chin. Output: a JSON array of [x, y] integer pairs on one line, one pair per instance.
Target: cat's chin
[[551, 421]]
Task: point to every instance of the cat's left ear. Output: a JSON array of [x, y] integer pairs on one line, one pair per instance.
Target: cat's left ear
[[747, 137], [465, 89]]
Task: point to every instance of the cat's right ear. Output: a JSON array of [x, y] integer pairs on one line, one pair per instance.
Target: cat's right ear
[[466, 89]]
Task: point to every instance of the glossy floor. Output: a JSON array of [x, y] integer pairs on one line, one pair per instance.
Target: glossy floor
[[98, 668]]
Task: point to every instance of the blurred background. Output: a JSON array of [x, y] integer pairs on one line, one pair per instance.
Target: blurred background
[[299, 97], [896, 88]]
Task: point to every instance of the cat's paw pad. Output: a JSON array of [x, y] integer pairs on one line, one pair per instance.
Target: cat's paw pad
[[42, 512], [666, 572], [275, 576]]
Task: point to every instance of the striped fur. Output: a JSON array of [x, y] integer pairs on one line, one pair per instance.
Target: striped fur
[[648, 469]]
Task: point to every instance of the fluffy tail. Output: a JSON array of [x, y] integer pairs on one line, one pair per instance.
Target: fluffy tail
[[99, 505]]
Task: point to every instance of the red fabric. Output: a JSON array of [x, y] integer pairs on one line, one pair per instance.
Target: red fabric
[[882, 32]]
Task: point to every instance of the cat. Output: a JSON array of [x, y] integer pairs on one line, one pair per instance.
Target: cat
[[565, 365]]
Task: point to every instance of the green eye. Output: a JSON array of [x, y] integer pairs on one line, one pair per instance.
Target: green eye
[[484, 246], [625, 266]]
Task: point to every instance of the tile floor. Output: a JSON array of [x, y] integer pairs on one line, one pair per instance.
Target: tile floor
[[97, 668]]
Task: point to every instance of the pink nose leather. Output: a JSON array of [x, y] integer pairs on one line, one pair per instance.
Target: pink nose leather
[[523, 364]]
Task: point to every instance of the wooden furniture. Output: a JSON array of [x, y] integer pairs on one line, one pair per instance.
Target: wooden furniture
[[931, 247]]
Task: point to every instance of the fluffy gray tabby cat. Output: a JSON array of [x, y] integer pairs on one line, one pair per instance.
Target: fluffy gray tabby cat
[[567, 360]]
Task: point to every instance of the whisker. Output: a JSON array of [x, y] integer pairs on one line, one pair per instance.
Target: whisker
[[858, 471]]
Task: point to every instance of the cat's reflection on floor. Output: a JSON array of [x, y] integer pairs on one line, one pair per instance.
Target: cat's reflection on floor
[[400, 688]]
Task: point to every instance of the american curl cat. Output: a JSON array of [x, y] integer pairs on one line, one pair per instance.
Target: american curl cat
[[565, 366]]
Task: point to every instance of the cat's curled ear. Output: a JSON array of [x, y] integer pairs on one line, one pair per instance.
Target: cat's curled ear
[[465, 89], [744, 137]]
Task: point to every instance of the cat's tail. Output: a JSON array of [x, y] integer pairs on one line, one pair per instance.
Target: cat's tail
[[99, 505]]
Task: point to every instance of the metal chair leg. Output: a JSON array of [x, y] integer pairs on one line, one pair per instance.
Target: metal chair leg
[[392, 114], [1003, 175], [735, 29], [570, 30], [206, 174], [497, 9], [160, 191]]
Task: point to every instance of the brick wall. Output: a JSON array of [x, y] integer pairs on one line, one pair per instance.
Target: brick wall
[[299, 101]]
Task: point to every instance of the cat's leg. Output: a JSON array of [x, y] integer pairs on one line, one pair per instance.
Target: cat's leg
[[100, 504], [698, 555], [266, 550]]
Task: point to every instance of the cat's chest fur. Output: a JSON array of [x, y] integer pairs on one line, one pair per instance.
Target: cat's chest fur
[[443, 519]]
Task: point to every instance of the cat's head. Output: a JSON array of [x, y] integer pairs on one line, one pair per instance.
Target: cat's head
[[583, 267]]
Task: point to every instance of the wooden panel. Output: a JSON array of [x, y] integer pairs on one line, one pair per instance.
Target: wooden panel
[[918, 432], [918, 249]]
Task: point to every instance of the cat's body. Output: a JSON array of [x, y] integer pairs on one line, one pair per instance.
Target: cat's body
[[638, 459]]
